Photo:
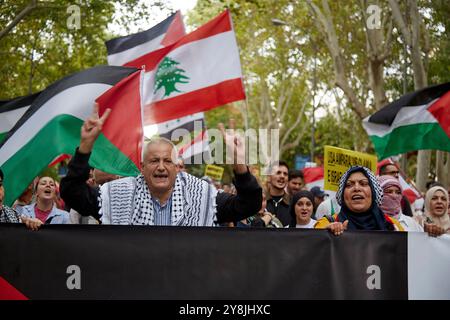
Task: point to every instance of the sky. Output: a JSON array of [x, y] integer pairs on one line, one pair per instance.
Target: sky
[[156, 16], [183, 5]]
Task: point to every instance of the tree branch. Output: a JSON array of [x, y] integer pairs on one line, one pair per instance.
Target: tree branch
[[400, 21], [296, 123], [326, 26], [30, 7]]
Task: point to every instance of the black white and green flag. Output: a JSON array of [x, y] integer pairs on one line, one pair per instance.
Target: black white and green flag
[[12, 110], [51, 126], [419, 120]]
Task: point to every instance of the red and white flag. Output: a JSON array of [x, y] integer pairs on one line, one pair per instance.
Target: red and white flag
[[124, 125], [313, 177], [199, 72]]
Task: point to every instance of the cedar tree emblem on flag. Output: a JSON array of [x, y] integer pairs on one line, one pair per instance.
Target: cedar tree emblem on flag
[[168, 76]]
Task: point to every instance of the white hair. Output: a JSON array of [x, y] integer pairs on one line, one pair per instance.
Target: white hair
[[158, 140]]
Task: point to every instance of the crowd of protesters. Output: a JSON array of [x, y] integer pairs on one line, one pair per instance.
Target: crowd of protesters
[[166, 194]]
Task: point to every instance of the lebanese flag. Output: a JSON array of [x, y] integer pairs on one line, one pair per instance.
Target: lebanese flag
[[51, 127], [199, 72], [417, 121], [127, 48]]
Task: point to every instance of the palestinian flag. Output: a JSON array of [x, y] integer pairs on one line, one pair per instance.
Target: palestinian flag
[[51, 126], [199, 72], [127, 48], [417, 121], [124, 100], [12, 110]]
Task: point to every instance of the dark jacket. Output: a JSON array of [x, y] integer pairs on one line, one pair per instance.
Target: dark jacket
[[84, 199], [279, 208]]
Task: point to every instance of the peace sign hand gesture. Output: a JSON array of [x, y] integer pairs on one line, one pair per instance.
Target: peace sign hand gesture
[[91, 128]]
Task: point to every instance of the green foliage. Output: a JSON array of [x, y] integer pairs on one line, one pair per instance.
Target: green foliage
[[294, 53], [41, 49]]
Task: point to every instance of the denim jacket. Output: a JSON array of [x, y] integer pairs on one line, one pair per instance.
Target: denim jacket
[[56, 216]]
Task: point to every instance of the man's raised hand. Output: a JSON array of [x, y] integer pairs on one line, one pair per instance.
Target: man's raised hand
[[91, 128]]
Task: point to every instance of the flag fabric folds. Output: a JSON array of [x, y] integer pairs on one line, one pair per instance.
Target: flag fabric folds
[[12, 110], [197, 73], [417, 121], [124, 100], [124, 49], [51, 126], [199, 143]]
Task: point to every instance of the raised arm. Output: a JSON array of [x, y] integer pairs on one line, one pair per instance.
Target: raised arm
[[74, 190], [248, 200]]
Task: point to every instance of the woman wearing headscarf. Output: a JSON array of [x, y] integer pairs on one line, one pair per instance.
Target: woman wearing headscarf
[[301, 209], [392, 203], [359, 196], [437, 220]]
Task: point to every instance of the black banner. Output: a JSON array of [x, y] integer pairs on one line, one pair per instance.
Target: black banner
[[136, 262]]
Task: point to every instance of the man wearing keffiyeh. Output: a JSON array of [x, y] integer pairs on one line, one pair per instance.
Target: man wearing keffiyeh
[[161, 194]]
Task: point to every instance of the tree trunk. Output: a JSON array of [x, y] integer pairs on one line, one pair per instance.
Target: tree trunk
[[420, 76], [423, 163], [448, 169], [440, 168], [324, 23], [376, 82]]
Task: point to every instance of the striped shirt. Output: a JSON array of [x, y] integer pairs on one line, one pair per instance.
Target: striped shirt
[[163, 214]]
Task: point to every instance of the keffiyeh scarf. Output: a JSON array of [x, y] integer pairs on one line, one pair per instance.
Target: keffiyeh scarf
[[373, 218], [9, 215], [128, 201]]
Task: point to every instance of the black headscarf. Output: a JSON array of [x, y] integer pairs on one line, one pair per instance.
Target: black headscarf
[[297, 196], [373, 218]]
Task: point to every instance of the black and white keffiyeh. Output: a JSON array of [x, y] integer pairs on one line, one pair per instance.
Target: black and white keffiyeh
[[371, 219], [128, 201], [9, 215], [372, 180]]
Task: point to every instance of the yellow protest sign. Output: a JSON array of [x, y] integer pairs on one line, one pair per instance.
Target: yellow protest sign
[[338, 160], [214, 172]]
